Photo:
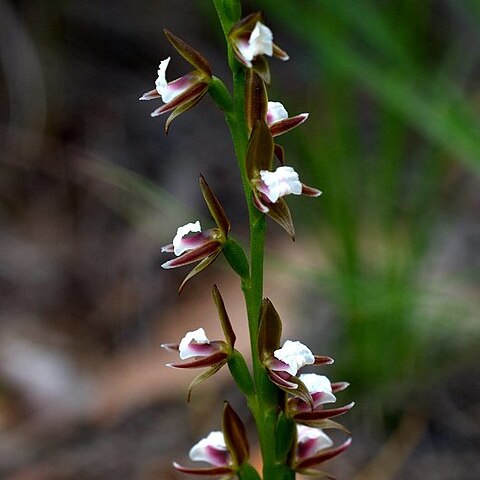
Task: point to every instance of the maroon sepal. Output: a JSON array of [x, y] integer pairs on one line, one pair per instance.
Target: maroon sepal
[[279, 53], [171, 347], [284, 126], [310, 191], [339, 386], [150, 95], [192, 56], [323, 413], [318, 474], [235, 435], [198, 89], [257, 201], [203, 471], [322, 457], [325, 424], [282, 380], [323, 360], [290, 384], [195, 255], [202, 362]]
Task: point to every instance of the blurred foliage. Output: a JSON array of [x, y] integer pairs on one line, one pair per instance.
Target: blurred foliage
[[394, 128]]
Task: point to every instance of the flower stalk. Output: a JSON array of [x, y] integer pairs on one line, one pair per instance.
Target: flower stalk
[[287, 407]]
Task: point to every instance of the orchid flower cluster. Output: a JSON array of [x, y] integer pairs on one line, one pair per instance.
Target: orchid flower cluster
[[289, 409]]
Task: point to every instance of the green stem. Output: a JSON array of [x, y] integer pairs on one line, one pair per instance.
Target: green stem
[[267, 401]]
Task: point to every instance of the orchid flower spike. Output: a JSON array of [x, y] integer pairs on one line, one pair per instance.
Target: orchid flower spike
[[191, 244], [251, 40], [185, 92], [225, 450]]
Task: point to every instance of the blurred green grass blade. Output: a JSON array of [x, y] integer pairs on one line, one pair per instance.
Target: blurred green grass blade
[[440, 114], [137, 186]]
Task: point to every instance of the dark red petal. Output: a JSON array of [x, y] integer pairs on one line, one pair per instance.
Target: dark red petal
[[150, 95], [203, 471], [284, 126], [310, 191], [323, 360], [196, 90], [281, 382], [258, 202], [279, 53], [167, 248], [339, 386], [323, 413], [201, 362], [323, 456], [171, 347], [194, 255]]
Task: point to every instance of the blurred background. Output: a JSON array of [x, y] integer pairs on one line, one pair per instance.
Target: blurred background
[[384, 275]]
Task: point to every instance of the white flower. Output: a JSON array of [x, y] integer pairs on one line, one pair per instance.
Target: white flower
[[311, 441], [197, 337], [276, 112], [179, 244], [283, 181], [259, 43], [170, 91], [211, 449], [318, 384], [295, 354]]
